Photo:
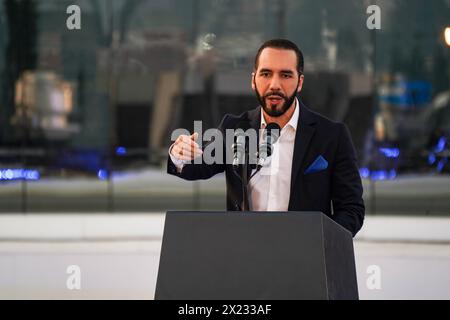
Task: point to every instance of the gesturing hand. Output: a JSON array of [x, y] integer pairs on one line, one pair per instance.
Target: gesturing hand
[[185, 147]]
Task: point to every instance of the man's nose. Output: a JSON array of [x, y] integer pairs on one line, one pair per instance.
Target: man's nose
[[275, 84]]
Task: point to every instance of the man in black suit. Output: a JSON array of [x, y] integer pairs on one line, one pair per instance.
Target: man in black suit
[[315, 167]]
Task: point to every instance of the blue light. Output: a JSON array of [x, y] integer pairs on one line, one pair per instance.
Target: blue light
[[392, 174], [9, 174], [390, 152], [379, 175], [440, 145], [121, 151], [32, 175], [431, 159], [18, 174], [364, 173], [441, 164], [102, 174]]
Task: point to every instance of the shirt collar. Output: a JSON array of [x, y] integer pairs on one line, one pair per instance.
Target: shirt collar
[[292, 122]]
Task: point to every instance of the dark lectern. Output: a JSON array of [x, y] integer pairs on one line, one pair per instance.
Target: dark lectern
[[255, 255]]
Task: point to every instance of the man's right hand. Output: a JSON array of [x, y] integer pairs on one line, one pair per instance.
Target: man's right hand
[[185, 147]]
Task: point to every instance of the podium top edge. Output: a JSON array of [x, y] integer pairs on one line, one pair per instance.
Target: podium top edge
[[245, 212], [320, 215]]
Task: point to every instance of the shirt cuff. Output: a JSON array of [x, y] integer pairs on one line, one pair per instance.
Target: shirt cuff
[[179, 163]]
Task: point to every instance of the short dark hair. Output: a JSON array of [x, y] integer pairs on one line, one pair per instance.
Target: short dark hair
[[282, 44]]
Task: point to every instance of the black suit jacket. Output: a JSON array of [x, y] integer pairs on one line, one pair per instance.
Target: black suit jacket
[[335, 191]]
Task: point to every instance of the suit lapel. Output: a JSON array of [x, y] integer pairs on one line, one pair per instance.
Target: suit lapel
[[305, 131], [254, 116]]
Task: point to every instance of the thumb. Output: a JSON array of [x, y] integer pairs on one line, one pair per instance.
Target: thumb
[[194, 136]]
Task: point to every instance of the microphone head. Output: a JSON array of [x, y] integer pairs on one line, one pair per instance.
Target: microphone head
[[270, 136]]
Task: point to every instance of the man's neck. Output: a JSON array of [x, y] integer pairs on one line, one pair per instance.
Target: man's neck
[[283, 119]]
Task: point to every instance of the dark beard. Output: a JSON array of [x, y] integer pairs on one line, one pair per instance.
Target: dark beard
[[274, 112]]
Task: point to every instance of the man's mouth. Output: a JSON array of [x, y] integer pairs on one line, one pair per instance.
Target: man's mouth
[[274, 99]]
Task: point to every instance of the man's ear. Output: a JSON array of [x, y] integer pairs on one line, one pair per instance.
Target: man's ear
[[300, 83], [253, 81]]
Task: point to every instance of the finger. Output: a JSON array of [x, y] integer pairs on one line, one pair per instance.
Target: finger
[[185, 158], [191, 153], [189, 139], [181, 137], [186, 153], [194, 136], [190, 145], [173, 151], [184, 138], [177, 151]]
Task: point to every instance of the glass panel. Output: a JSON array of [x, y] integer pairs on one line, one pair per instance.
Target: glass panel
[[60, 111], [90, 112]]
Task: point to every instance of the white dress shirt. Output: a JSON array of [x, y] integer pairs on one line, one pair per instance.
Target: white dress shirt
[[270, 188]]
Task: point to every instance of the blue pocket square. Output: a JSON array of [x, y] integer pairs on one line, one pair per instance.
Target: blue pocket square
[[318, 165]]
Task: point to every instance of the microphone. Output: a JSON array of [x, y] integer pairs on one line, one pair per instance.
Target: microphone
[[270, 135], [239, 147]]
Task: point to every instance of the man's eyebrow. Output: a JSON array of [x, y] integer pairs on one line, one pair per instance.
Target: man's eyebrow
[[285, 71]]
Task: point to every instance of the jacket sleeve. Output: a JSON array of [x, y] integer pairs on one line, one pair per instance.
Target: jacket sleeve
[[347, 190], [201, 171]]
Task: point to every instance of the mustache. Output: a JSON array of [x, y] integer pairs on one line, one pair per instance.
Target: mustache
[[278, 94]]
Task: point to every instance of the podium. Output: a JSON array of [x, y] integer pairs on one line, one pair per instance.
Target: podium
[[255, 256]]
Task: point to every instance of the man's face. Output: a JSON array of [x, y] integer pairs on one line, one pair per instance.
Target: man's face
[[276, 81]]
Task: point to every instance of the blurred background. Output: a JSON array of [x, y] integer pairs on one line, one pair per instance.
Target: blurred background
[[86, 117]]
